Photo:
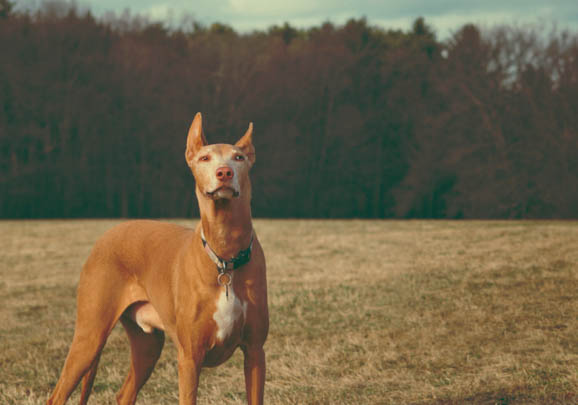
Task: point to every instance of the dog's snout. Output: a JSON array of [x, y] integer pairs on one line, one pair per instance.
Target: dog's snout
[[224, 173]]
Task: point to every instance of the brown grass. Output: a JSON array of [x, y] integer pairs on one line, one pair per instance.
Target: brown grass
[[362, 312]]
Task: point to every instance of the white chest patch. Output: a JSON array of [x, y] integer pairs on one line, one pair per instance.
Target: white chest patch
[[229, 310]]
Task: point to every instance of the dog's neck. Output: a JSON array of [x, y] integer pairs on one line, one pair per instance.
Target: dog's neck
[[226, 224]]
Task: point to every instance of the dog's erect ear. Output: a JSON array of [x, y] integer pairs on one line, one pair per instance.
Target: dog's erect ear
[[246, 144], [196, 138]]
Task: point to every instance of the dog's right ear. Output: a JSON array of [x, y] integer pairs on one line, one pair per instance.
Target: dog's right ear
[[195, 140]]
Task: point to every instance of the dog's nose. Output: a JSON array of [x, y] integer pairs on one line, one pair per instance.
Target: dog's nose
[[224, 173]]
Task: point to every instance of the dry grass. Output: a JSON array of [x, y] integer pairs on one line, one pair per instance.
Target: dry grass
[[362, 312]]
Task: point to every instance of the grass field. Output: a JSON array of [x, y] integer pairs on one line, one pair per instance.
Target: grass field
[[362, 312]]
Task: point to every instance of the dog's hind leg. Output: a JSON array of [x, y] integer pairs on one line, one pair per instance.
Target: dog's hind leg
[[145, 349], [82, 358], [100, 301]]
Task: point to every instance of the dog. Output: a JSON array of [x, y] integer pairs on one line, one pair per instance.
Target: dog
[[205, 288]]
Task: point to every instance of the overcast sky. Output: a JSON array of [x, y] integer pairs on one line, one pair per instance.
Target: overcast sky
[[446, 16]]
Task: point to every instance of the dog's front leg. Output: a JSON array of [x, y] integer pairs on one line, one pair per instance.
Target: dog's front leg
[[254, 374], [189, 370]]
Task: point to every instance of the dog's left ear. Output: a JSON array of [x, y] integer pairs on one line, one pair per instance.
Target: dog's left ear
[[246, 144], [195, 140]]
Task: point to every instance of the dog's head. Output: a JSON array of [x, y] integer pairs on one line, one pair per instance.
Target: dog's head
[[221, 171]]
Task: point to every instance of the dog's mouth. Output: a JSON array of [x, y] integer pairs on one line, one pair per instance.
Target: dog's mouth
[[223, 192]]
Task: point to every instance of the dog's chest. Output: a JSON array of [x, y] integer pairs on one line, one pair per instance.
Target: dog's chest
[[229, 315]]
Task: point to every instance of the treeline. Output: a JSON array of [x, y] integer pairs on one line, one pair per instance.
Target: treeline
[[350, 121]]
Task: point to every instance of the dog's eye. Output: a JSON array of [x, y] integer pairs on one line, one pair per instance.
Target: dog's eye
[[204, 158], [240, 158]]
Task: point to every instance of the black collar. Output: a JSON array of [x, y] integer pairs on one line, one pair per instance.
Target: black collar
[[242, 258]]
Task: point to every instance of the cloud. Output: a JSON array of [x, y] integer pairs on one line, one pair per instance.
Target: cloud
[[158, 11], [271, 9]]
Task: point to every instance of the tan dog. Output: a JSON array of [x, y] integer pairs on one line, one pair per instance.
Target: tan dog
[[206, 288]]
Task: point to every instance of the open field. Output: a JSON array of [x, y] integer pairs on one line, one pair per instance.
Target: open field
[[362, 312]]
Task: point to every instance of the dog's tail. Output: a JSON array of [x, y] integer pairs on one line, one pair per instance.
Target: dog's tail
[[88, 381]]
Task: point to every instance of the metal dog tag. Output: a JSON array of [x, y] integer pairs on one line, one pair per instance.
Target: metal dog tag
[[225, 279]]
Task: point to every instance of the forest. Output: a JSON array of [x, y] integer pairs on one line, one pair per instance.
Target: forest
[[351, 121]]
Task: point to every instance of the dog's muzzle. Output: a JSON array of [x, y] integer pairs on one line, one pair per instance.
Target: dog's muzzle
[[219, 193]]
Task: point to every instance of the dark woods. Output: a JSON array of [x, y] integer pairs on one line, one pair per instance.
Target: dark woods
[[350, 121]]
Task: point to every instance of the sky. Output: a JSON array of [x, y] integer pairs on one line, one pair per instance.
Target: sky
[[445, 16]]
